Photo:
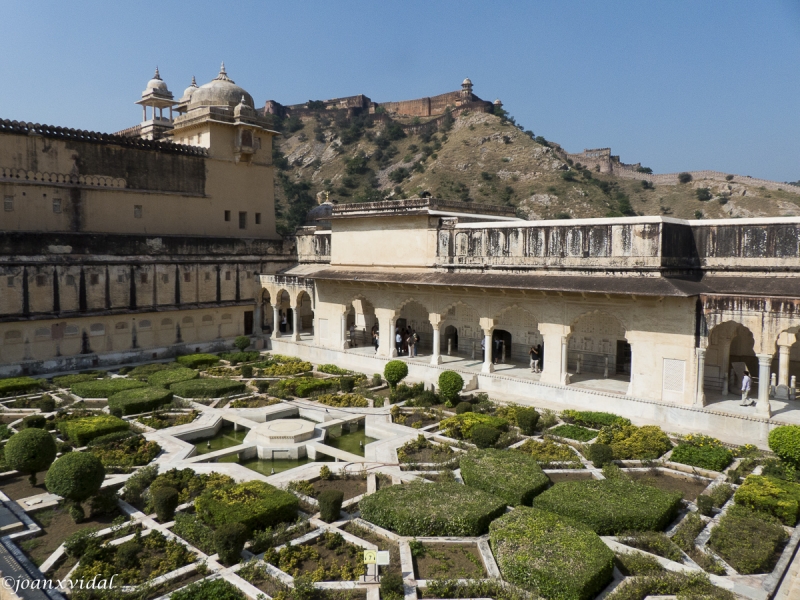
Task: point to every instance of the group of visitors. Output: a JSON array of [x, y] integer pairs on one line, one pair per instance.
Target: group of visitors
[[406, 341]]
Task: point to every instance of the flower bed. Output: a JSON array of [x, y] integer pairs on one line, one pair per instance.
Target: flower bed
[[460, 426], [194, 531], [611, 506], [432, 509], [139, 400], [511, 476], [254, 503], [422, 450], [81, 431], [162, 421], [283, 369], [772, 496], [207, 388], [550, 555], [301, 387], [166, 377], [194, 361], [702, 451], [103, 388], [573, 432], [747, 541], [326, 558], [632, 442], [343, 400], [125, 452], [190, 484], [548, 453]]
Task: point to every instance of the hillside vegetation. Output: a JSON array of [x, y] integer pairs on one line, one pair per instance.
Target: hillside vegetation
[[484, 159]]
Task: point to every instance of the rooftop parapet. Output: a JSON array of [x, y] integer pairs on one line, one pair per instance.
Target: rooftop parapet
[[423, 206]]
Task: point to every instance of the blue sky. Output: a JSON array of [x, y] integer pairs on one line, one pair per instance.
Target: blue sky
[[678, 85]]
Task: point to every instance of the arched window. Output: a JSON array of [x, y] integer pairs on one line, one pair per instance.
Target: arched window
[[71, 330], [207, 319], [121, 325], [188, 321], [166, 323], [97, 329], [42, 332], [226, 317], [145, 324], [13, 337]]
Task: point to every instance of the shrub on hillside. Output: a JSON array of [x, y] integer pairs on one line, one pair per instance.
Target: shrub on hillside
[[255, 504], [511, 476], [166, 377], [746, 541], [611, 506], [139, 400], [194, 361], [30, 451], [82, 431], [450, 386], [785, 443], [527, 419], [460, 426], [772, 496], [702, 451], [632, 442], [435, 509], [330, 505], [484, 436], [684, 177], [552, 556], [207, 388], [12, 386], [103, 388], [165, 501], [593, 419], [394, 372], [75, 477]]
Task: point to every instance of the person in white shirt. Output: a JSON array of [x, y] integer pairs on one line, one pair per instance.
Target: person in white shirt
[[398, 340], [746, 382]]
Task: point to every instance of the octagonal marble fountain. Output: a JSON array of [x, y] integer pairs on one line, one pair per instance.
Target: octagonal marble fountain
[[280, 432]]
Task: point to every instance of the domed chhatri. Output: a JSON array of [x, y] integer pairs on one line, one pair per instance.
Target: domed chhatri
[[156, 84], [187, 93], [221, 91]]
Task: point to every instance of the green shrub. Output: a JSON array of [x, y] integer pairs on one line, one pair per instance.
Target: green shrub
[[207, 388], [77, 543], [573, 432], [484, 436], [190, 484], [138, 483], [394, 372], [460, 426], [721, 494], [46, 404], [392, 586], [209, 589], [166, 377], [684, 177], [283, 369], [34, 422], [18, 385], [256, 504], [229, 541], [75, 476], [631, 442], [194, 531], [527, 419], [512, 476], [330, 505], [692, 586], [332, 370], [702, 451], [550, 555], [242, 342], [593, 419], [240, 357], [432, 509], [82, 431], [165, 501], [463, 407], [346, 384], [770, 495], [139, 400], [194, 361], [600, 454], [66, 381], [611, 506], [653, 542], [705, 505], [30, 451], [343, 400], [785, 443], [548, 452], [687, 532], [247, 371], [103, 388], [450, 386], [746, 541]]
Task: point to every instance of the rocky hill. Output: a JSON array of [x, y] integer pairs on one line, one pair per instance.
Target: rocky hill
[[484, 158]]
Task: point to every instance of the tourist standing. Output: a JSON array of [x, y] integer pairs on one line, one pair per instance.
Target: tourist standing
[[352, 335], [283, 322], [398, 341], [411, 348], [375, 341], [534, 359], [746, 382], [416, 342], [483, 348]]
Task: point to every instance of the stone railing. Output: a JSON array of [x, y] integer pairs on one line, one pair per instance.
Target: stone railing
[[21, 175]]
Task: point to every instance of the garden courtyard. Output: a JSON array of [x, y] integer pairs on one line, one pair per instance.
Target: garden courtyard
[[249, 474]]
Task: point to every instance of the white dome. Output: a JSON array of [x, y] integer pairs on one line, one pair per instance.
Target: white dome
[[221, 90], [187, 93], [156, 84], [466, 82]]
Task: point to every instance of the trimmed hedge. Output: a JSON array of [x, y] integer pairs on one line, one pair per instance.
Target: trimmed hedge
[[255, 504], [207, 388], [460, 426], [632, 442], [240, 357], [611, 506], [770, 495], [103, 388], [331, 369], [343, 400], [552, 556], [75, 476], [512, 476], [593, 419], [68, 380], [702, 451], [450, 386], [82, 431], [193, 361], [785, 443], [330, 505], [747, 542], [285, 369], [167, 377], [139, 400], [573, 432], [16, 385], [301, 387], [432, 509]]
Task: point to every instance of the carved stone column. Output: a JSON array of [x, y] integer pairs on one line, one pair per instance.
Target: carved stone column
[[762, 406], [436, 323], [488, 326]]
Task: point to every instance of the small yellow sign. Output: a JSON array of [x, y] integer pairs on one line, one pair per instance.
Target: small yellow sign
[[370, 557]]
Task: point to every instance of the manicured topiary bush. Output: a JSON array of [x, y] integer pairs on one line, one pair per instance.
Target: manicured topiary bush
[[573, 432], [34, 422], [460, 426], [484, 436], [330, 505], [632, 442], [46, 404], [331, 369], [193, 361], [165, 501], [30, 451], [463, 407], [600, 454], [527, 419], [139, 400], [511, 476], [748, 542], [82, 431], [611, 506], [394, 372], [240, 357], [288, 368], [75, 477], [256, 504], [436, 509], [450, 386], [242, 342], [167, 377], [229, 542], [550, 454], [247, 371], [770, 495], [346, 384], [103, 388], [550, 555], [785, 443], [702, 451], [207, 388], [593, 419], [18, 385]]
